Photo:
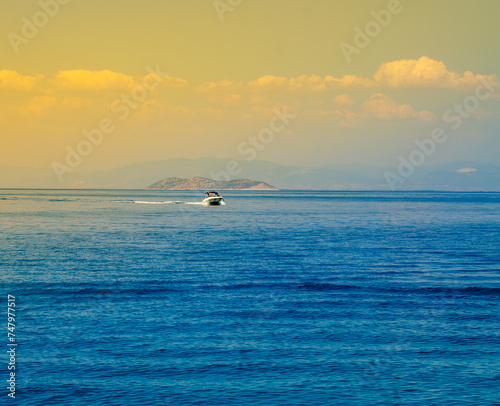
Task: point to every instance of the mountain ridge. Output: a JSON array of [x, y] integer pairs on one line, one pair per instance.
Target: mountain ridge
[[200, 183]]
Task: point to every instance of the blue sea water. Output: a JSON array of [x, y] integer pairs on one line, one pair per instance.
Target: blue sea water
[[137, 297]]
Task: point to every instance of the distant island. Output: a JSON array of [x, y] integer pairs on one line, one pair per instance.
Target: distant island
[[198, 183]]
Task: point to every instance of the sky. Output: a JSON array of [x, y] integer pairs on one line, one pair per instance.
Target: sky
[[92, 85]]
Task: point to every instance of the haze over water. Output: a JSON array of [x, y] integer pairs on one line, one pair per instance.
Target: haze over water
[[317, 298]]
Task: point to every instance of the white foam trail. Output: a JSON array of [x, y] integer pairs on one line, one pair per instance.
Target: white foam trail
[[165, 202]]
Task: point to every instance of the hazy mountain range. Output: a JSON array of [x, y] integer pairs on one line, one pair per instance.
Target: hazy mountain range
[[467, 176]]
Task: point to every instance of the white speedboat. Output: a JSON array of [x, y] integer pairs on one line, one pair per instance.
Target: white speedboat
[[212, 199]]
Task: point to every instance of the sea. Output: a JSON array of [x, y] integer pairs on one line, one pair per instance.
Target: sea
[[139, 297]]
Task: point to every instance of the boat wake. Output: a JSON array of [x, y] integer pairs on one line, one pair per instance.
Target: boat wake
[[164, 202]]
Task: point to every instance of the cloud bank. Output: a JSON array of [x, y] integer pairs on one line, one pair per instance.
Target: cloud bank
[[52, 110]]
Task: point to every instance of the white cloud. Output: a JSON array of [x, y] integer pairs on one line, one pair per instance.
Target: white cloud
[[382, 107], [424, 72], [343, 100], [14, 81]]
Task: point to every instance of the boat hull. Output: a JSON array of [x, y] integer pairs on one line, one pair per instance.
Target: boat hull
[[213, 201]]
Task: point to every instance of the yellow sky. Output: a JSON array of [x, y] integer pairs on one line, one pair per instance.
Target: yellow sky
[[195, 78]]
